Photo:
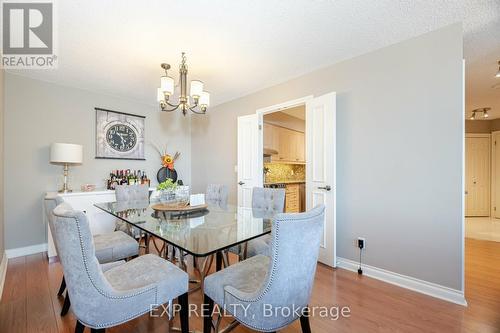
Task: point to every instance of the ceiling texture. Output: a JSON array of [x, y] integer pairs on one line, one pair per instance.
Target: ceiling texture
[[239, 47]]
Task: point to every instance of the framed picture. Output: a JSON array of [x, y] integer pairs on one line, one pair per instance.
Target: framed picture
[[119, 135]]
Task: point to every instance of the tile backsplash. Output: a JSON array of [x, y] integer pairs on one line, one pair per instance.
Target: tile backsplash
[[281, 172]]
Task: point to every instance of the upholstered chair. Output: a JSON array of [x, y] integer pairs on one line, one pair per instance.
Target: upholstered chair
[[133, 193], [216, 193], [285, 279], [268, 199], [103, 299], [109, 247], [265, 201]]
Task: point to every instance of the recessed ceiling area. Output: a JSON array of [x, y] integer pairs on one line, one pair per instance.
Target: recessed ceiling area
[[239, 47]]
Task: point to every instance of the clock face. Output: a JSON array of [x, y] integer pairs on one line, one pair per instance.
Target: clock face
[[121, 137]]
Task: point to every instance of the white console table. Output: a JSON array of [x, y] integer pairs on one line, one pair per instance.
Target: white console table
[[99, 221]]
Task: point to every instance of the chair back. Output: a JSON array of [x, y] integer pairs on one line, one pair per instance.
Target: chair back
[[139, 192], [295, 243], [51, 201], [216, 193], [270, 200], [94, 302]]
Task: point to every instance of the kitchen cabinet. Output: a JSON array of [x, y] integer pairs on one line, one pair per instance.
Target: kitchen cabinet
[[292, 198], [271, 137], [290, 144]]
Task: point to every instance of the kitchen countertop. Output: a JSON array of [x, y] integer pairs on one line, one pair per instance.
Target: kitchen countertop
[[287, 182]]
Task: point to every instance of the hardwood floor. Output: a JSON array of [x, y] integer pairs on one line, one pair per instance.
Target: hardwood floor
[[30, 304]]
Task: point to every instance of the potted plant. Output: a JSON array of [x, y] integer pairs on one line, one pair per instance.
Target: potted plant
[[167, 192]]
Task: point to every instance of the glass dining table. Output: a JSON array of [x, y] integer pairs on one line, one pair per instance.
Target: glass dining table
[[200, 233]]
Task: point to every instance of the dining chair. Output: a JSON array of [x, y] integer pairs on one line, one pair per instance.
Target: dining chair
[[283, 281], [109, 247], [216, 193], [133, 193], [265, 201], [103, 299]]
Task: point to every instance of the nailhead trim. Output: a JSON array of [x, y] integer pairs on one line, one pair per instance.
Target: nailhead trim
[[105, 294], [273, 272]]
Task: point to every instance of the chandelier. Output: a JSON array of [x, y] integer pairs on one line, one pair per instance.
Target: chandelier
[[196, 102]]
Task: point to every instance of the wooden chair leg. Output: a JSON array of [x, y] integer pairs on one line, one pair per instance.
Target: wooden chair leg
[[184, 313], [79, 327], [66, 305], [208, 308], [62, 287]]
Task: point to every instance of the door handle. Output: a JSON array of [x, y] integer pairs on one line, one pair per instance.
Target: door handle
[[241, 183], [327, 187]]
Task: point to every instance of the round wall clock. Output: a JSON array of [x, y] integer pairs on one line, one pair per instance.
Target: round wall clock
[[121, 137]]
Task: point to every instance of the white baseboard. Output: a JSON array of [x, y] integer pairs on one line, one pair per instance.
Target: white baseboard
[[25, 251], [408, 282], [3, 272]]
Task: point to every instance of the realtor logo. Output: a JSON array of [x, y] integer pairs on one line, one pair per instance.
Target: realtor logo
[[28, 35]]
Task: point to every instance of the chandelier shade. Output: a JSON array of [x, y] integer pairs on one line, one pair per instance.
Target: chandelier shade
[[198, 99]]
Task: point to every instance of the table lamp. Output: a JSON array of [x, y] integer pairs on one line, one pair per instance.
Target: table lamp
[[66, 154]]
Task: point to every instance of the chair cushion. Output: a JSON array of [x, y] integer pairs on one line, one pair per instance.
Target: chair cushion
[[247, 276], [114, 246], [261, 245], [149, 269]]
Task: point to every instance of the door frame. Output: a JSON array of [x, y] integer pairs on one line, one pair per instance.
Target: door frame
[[271, 109], [487, 136], [493, 178], [260, 118]]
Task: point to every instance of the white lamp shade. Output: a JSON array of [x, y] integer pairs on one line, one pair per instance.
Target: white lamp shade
[[159, 95], [196, 88], [66, 153], [167, 85], [204, 99]]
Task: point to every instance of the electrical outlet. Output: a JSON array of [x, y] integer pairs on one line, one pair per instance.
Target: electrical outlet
[[361, 242]]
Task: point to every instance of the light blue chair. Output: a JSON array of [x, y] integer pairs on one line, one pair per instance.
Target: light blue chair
[[216, 193], [109, 248], [285, 279], [102, 299], [265, 202]]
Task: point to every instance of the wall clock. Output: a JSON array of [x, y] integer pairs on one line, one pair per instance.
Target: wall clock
[[119, 135]]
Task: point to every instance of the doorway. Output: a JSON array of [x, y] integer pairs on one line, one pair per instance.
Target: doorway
[[261, 158]]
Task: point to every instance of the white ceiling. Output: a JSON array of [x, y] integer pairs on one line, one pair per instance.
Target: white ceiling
[[238, 47]]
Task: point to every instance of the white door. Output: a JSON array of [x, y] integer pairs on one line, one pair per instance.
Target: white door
[[477, 176], [249, 161], [320, 167]]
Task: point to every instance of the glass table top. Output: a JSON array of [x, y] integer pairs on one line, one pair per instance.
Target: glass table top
[[199, 233]]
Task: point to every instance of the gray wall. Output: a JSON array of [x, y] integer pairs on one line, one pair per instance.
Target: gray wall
[[2, 236], [38, 113], [399, 144]]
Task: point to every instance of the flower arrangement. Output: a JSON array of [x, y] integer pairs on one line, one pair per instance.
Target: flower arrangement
[[167, 160]]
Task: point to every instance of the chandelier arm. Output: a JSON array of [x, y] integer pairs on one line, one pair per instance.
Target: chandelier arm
[[193, 109], [174, 107]]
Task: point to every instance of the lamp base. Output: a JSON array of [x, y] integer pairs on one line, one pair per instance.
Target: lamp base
[[65, 188]]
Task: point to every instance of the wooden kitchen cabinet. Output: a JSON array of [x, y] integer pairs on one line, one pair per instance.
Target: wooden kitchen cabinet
[[271, 137], [290, 144], [292, 198]]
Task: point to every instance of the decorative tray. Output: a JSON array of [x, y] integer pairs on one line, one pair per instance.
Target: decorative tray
[[185, 209]]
